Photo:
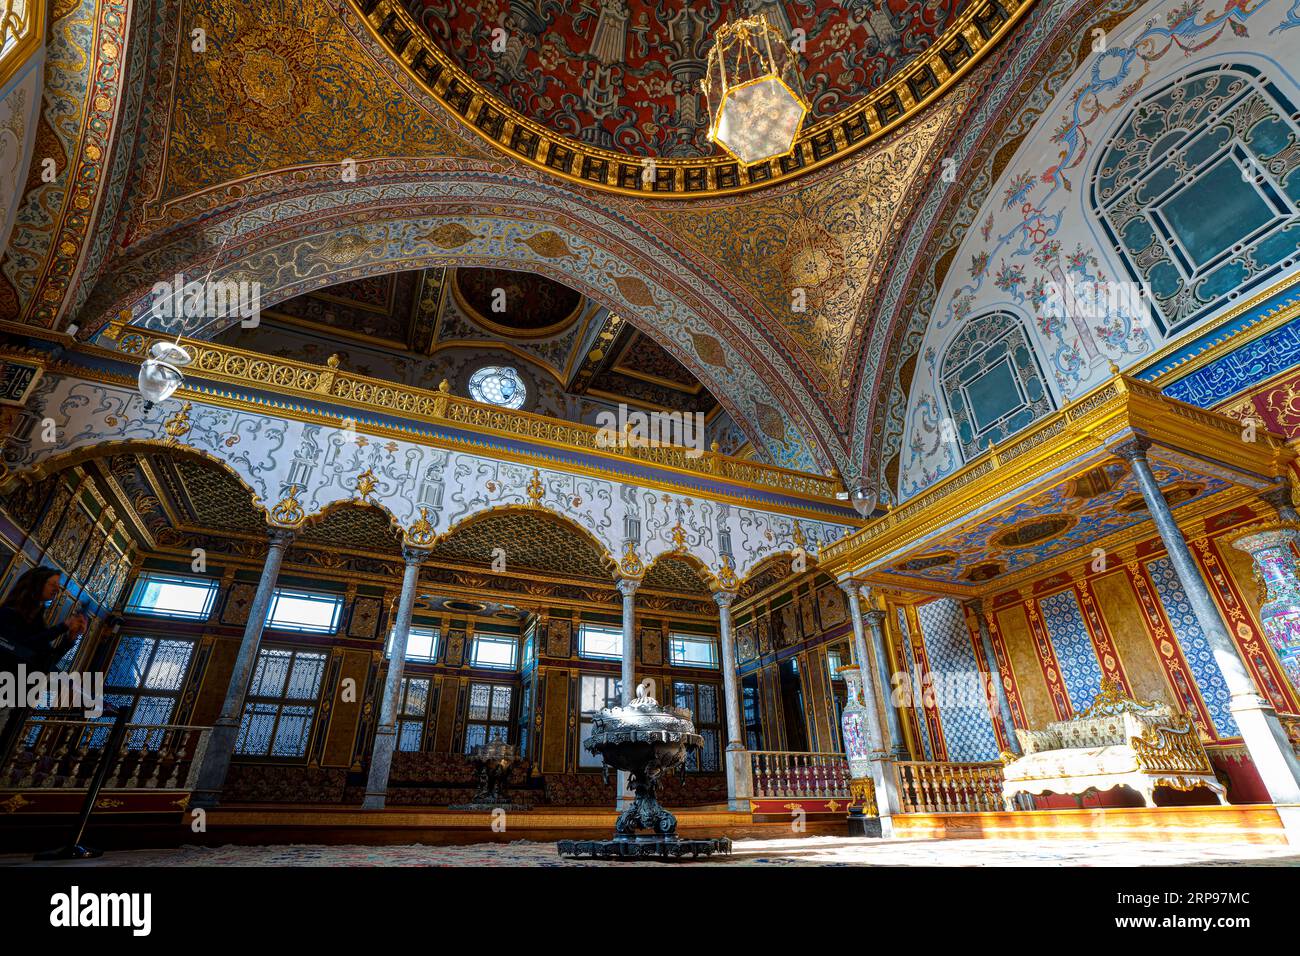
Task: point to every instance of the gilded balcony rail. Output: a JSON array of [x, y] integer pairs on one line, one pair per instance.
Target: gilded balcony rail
[[778, 774], [63, 754], [949, 787], [223, 363]]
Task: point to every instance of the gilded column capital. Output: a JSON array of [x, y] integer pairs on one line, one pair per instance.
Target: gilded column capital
[[1133, 448], [627, 586], [414, 555], [723, 598]]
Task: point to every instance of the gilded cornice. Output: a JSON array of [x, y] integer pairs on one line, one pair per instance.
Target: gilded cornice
[[927, 78], [1064, 444], [525, 438]]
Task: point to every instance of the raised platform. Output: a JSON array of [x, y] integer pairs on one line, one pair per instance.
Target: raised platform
[[1255, 823]]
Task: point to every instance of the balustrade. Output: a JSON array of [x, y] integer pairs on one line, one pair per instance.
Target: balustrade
[[63, 754], [949, 787], [777, 774]]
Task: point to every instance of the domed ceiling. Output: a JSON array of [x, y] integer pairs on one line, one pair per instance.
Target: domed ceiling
[[589, 89], [624, 74]]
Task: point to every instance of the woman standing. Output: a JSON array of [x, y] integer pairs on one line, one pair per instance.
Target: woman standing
[[25, 637]]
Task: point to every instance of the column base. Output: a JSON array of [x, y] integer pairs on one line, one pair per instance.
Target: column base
[[864, 826], [1290, 814], [374, 801], [1269, 747]]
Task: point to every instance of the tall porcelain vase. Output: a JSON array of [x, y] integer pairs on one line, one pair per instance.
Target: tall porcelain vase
[[1275, 563], [857, 748]]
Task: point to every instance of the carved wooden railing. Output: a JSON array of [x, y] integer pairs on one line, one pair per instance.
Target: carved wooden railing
[[949, 787], [778, 774], [61, 754]]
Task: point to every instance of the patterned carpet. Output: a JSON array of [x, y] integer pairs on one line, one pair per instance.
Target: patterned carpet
[[809, 851]]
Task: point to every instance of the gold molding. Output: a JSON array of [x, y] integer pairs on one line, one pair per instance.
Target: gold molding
[[31, 36], [884, 109], [1074, 439], [293, 379]]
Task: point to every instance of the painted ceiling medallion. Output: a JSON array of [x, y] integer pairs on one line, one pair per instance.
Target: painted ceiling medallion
[[516, 305], [591, 91]]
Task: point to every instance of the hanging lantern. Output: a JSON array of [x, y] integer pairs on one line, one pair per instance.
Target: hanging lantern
[[756, 102], [160, 374]]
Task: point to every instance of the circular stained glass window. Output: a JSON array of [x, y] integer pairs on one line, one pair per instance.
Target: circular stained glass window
[[498, 385]]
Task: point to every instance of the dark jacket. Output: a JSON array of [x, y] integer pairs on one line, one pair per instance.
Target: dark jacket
[[33, 644]]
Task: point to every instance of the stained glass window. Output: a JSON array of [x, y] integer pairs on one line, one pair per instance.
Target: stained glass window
[[280, 708], [487, 716], [991, 382], [702, 701], [1198, 191], [171, 595], [498, 385], [595, 692], [690, 650], [602, 643], [412, 713]]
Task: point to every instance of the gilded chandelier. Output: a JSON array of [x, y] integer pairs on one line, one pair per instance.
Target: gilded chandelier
[[756, 103]]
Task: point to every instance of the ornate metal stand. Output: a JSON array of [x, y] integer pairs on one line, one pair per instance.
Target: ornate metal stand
[[647, 741]]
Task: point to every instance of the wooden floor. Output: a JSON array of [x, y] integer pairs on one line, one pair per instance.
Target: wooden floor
[[1211, 824], [270, 824]]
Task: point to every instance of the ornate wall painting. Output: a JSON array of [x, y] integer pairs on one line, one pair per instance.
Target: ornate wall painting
[[831, 606], [366, 612], [786, 619], [239, 600], [746, 643], [455, 653], [808, 614], [1039, 251], [652, 646], [559, 637]]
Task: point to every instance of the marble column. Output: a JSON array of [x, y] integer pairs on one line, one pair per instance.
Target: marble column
[[381, 756], [1261, 731], [876, 622], [627, 587], [735, 757], [225, 730], [995, 675], [882, 768], [1281, 499]]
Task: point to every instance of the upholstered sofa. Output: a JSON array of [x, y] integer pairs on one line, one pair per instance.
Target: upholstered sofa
[[1115, 742]]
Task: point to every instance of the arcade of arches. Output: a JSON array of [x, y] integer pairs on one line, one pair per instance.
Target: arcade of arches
[[940, 467]]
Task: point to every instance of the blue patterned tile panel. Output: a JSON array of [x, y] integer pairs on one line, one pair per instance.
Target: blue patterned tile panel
[[1080, 669], [1196, 648], [967, 724]]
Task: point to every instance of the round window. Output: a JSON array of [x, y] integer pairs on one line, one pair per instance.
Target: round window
[[498, 385]]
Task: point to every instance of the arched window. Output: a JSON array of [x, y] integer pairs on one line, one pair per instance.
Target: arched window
[[498, 385], [1198, 192], [991, 382]]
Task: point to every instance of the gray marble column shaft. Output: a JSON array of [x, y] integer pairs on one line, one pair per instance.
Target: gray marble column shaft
[[737, 789], [381, 755], [627, 587], [221, 741], [882, 769], [895, 744]]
